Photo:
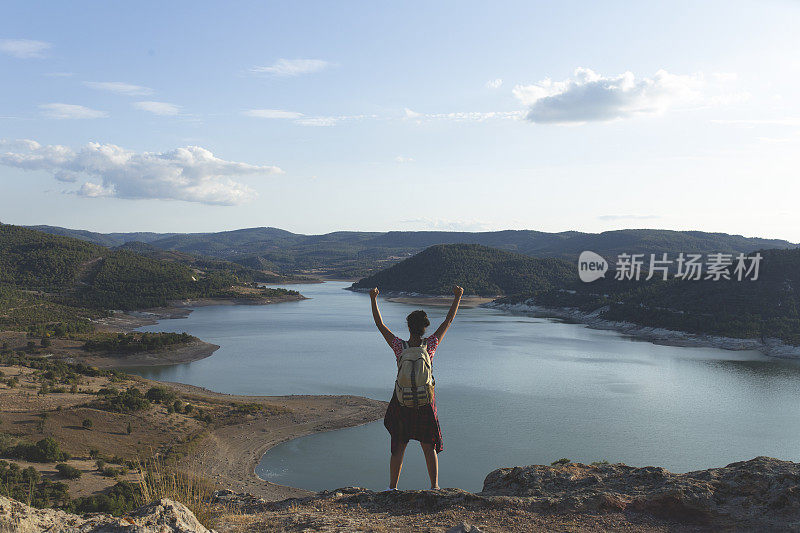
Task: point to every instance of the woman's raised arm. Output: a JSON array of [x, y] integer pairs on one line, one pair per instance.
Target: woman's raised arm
[[376, 314], [457, 293]]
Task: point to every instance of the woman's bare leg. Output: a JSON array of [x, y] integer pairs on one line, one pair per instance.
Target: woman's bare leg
[[432, 460], [396, 464]]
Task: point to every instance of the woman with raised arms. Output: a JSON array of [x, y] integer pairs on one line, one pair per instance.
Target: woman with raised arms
[[412, 411]]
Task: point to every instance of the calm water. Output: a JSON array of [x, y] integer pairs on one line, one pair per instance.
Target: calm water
[[511, 390]]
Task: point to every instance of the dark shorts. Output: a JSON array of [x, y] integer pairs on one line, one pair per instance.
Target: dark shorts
[[408, 423]]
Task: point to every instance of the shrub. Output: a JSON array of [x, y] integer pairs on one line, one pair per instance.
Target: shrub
[[122, 402], [46, 450], [160, 395], [28, 486], [68, 472], [120, 499]]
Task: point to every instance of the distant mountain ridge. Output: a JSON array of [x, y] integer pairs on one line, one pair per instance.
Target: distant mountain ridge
[[108, 240], [353, 253]]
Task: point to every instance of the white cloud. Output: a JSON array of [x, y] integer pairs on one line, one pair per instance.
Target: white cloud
[[494, 84], [57, 110], [589, 97], [158, 108], [272, 113], [24, 48], [304, 120], [725, 76], [320, 121], [192, 174], [438, 224], [119, 87], [627, 217], [403, 159], [292, 67], [465, 116]]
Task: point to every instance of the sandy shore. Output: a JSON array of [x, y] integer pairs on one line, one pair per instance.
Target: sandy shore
[[204, 302], [440, 301], [228, 455]]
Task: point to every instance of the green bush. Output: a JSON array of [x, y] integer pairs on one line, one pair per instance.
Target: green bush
[[68, 472], [160, 395], [46, 450]]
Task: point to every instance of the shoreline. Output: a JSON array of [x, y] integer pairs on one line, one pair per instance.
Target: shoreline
[[128, 321], [435, 300], [185, 353], [229, 455], [667, 337]]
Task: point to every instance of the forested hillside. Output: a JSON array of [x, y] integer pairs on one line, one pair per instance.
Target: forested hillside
[[768, 307], [253, 271], [479, 269], [56, 280], [762, 308]]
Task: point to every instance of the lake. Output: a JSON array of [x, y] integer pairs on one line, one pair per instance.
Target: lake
[[511, 390]]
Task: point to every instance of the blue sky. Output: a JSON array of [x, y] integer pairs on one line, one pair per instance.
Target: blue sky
[[324, 116]]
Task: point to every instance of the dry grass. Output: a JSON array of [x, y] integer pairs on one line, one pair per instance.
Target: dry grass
[[158, 480]]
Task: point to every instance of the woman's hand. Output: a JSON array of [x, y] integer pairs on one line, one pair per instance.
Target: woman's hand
[[458, 291], [373, 292]]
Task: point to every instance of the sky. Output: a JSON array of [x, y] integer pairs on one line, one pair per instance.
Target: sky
[[374, 116]]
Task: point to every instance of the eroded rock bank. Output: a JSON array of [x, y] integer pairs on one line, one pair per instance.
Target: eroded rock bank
[[769, 346], [163, 516], [762, 494]]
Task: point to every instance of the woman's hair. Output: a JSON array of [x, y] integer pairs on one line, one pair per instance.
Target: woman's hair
[[417, 322]]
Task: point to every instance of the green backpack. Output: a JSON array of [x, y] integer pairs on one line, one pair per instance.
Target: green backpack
[[414, 385]]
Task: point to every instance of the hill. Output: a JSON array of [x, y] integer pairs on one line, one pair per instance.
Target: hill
[[50, 282], [350, 253], [768, 307], [479, 269], [253, 271]]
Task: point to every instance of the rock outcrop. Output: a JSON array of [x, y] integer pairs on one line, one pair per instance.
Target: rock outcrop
[[759, 493], [162, 516], [762, 494]]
